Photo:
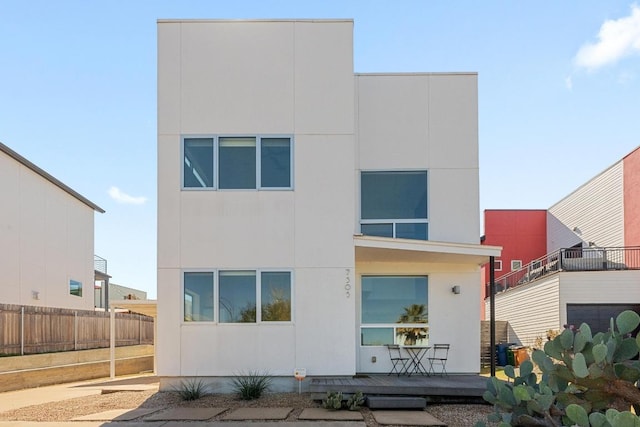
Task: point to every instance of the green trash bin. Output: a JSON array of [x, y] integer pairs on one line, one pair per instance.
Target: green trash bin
[[511, 359]]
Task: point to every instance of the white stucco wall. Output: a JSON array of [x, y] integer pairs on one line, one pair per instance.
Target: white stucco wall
[[46, 239], [426, 121], [255, 78]]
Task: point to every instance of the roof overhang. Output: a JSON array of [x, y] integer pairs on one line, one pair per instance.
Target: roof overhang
[[146, 307], [384, 249]]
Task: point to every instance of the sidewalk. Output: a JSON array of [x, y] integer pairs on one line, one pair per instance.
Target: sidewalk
[[35, 396]]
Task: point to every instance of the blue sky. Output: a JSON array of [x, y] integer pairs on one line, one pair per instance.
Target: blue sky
[[559, 93]]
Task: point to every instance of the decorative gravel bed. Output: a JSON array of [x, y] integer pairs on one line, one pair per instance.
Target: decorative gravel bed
[[455, 415]]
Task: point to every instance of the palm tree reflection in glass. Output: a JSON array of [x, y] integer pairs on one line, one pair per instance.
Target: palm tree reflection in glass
[[415, 313]]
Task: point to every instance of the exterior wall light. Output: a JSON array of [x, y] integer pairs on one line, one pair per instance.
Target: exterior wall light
[[456, 289]]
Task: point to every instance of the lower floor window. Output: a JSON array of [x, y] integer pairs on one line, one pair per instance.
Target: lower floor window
[[75, 288], [236, 295], [394, 310]]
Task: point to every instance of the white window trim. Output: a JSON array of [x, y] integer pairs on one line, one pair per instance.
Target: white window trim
[[498, 265], [514, 261], [216, 297], [216, 162]]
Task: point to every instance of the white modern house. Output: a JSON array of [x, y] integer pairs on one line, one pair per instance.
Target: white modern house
[[46, 238], [307, 215]]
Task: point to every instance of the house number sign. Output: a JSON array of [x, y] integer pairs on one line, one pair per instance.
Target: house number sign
[[347, 282]]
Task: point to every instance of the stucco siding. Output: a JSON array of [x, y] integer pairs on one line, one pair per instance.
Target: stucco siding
[[227, 88], [46, 239], [531, 310], [426, 121], [592, 213]]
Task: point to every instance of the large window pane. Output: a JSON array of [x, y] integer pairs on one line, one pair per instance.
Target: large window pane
[[411, 230], [198, 297], [394, 195], [237, 297], [237, 163], [275, 291], [394, 299], [275, 167], [198, 162]]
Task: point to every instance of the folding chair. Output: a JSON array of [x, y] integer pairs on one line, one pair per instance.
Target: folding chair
[[399, 362], [438, 357]]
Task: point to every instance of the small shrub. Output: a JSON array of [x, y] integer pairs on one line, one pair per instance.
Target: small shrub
[[355, 401], [333, 401], [251, 385], [192, 389]]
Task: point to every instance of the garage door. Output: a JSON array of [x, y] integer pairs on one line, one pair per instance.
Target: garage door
[[597, 316]]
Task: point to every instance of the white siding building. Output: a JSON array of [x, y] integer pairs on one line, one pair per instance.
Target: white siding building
[[591, 270], [306, 215], [46, 238]]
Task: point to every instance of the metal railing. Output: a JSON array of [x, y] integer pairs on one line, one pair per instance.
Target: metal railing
[[571, 259], [100, 264]]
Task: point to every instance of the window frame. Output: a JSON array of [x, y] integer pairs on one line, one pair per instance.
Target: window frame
[[393, 221], [513, 261], [498, 265], [216, 161], [71, 282], [393, 326], [216, 296]]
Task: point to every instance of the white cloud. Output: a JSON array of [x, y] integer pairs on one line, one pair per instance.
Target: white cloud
[[122, 197], [568, 82], [616, 39]]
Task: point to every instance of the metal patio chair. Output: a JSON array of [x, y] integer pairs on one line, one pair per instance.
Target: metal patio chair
[[438, 358], [397, 359]]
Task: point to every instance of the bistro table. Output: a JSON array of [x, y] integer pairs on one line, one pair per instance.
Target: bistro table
[[416, 353]]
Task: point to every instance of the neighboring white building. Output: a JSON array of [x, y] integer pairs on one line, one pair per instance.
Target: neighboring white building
[[591, 270], [46, 238], [116, 293], [303, 211]]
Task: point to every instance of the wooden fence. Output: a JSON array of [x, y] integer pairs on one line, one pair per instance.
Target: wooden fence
[[486, 353], [32, 330]]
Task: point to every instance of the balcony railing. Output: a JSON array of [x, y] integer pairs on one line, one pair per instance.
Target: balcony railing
[[571, 259], [100, 264]]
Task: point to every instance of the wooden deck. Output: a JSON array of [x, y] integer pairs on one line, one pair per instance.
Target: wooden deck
[[451, 386]]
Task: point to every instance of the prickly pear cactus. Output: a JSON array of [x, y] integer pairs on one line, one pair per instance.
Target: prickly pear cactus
[[333, 400], [587, 380]]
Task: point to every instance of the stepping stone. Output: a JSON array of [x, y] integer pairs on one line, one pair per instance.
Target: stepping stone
[[258, 414], [118, 415], [186, 414], [396, 402], [406, 418], [325, 414]]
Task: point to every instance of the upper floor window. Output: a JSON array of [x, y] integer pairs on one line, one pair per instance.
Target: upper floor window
[[237, 162], [394, 204]]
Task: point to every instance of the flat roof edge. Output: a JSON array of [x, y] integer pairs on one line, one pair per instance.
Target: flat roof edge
[[436, 73], [240, 20], [20, 159]]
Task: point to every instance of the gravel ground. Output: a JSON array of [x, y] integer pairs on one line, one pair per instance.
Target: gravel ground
[[455, 415]]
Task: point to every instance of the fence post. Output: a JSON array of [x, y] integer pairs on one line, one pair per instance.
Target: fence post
[[75, 330], [112, 344], [139, 329], [22, 331]]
